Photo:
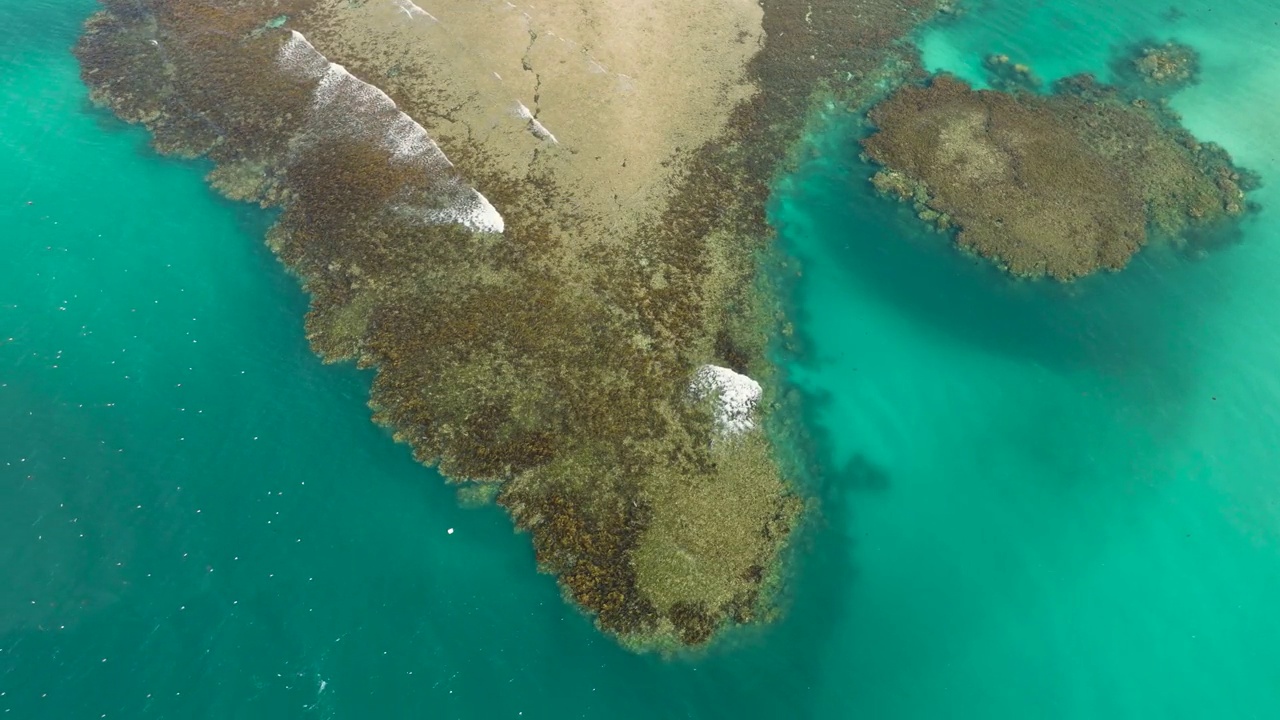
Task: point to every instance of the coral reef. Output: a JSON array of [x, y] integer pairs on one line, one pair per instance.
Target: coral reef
[[1167, 64], [1007, 75], [1062, 184], [537, 329]]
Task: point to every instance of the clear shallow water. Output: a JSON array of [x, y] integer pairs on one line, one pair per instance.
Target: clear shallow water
[[1081, 513], [1042, 503]]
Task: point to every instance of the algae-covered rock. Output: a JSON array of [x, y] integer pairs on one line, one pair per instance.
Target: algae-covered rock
[[1169, 63], [1005, 74], [1061, 184]]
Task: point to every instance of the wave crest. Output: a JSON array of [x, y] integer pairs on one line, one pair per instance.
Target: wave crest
[[343, 104]]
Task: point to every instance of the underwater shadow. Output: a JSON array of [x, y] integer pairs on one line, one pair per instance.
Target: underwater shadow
[[776, 669], [1134, 329]]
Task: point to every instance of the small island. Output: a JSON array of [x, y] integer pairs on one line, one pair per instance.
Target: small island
[[1061, 184]]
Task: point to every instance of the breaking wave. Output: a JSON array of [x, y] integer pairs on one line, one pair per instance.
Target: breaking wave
[[344, 104]]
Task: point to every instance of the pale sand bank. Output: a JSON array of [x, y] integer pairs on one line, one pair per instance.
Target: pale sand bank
[[624, 88]]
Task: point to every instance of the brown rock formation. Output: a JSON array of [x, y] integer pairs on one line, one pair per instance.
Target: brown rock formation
[[1169, 63], [1058, 185]]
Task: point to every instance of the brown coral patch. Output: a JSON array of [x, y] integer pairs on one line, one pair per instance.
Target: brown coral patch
[[1059, 185], [1166, 64]]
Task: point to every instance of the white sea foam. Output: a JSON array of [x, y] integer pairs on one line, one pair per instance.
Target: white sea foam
[[539, 130], [345, 104], [468, 208], [343, 100], [736, 397], [301, 59], [413, 11]]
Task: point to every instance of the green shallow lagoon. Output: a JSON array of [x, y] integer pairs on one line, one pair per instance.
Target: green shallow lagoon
[[1040, 502]]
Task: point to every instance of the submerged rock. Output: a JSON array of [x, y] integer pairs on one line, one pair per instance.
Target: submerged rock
[[1170, 63], [1005, 74], [1062, 184]]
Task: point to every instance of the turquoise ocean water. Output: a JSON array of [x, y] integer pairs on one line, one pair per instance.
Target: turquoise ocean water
[[1041, 502]]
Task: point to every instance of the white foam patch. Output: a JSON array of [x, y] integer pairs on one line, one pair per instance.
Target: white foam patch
[[299, 58], [345, 104], [736, 397], [472, 210], [413, 11], [539, 130]]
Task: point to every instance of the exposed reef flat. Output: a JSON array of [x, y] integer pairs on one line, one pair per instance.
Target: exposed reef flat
[[1062, 184], [541, 225]]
